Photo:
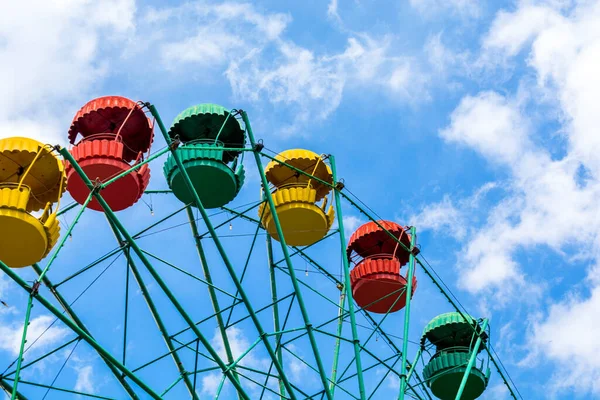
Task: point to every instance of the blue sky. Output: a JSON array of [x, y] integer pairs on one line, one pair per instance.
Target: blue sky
[[474, 121]]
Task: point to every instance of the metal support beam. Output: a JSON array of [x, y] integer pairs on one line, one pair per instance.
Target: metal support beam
[[347, 286], [284, 248], [73, 326], [472, 360], [71, 313], [113, 218], [156, 315], [336, 349], [226, 260], [211, 291], [408, 294], [276, 324]]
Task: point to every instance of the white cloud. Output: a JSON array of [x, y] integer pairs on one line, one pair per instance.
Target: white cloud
[[238, 343], [314, 85], [295, 78], [442, 216], [297, 368], [221, 33], [463, 8], [568, 337], [54, 59], [210, 384], [351, 223], [550, 200], [449, 217], [85, 382], [12, 334], [496, 392], [490, 124], [332, 10]]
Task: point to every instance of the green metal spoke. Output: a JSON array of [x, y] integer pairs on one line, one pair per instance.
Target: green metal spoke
[[71, 313], [22, 346], [75, 328], [206, 282], [172, 385], [276, 325], [205, 319], [89, 266], [181, 346], [94, 396], [155, 314], [7, 387], [391, 369], [211, 293], [114, 220], [135, 167], [278, 344], [196, 364], [336, 351], [160, 221], [472, 360], [382, 380], [408, 294], [126, 311], [223, 255], [246, 264], [59, 348], [258, 311], [347, 287], [317, 371]]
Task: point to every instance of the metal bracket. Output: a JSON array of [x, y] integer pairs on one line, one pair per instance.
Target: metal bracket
[[259, 146]]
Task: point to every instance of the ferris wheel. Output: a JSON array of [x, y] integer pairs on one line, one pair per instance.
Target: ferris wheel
[[218, 291]]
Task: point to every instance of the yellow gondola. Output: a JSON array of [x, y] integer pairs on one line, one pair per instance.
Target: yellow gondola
[[32, 178], [295, 196]]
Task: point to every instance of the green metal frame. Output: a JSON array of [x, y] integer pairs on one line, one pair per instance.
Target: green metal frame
[[232, 369]]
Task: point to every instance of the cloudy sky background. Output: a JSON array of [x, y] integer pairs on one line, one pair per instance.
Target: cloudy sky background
[[475, 121]]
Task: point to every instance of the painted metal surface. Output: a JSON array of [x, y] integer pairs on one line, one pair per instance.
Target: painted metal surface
[[102, 160], [209, 123], [115, 115], [31, 178], [216, 183], [391, 242]]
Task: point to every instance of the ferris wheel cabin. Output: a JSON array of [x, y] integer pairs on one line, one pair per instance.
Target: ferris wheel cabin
[[32, 178], [209, 136], [115, 134], [377, 284], [296, 195]]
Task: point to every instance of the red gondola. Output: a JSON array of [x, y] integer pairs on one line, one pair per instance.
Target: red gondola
[[115, 134], [376, 280]]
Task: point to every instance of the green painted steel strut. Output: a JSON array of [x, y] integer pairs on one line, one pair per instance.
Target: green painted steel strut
[[408, 294], [472, 360], [136, 167], [292, 272], [414, 364], [276, 324], [71, 313], [73, 326], [427, 272], [223, 255], [155, 314], [113, 218], [336, 350], [36, 287], [9, 389], [347, 286], [22, 346], [126, 312], [211, 291]]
